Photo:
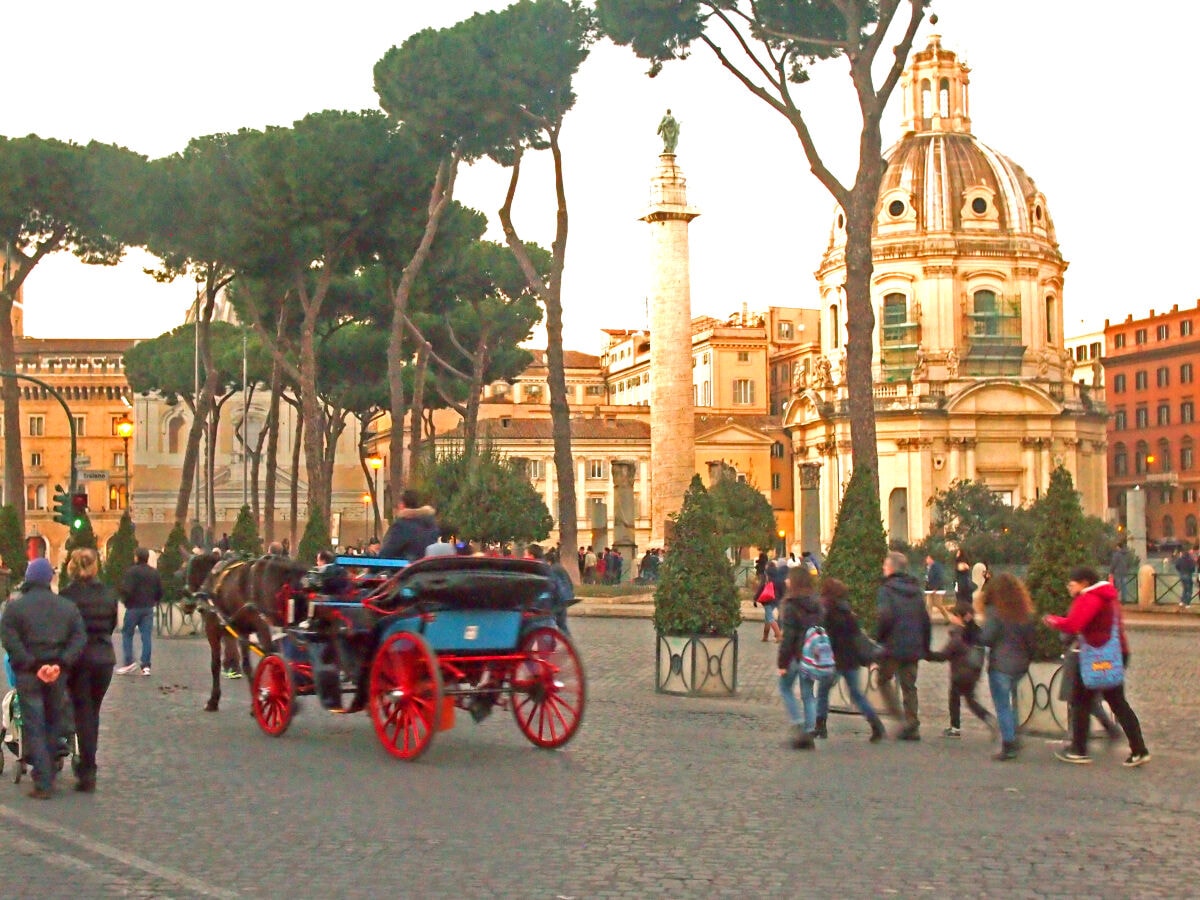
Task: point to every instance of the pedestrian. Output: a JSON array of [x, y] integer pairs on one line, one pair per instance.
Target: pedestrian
[[602, 567], [412, 530], [935, 575], [965, 652], [964, 587], [904, 632], [589, 565], [91, 676], [1185, 565], [760, 569], [44, 636], [846, 638], [141, 591], [809, 562], [1095, 616], [1118, 568], [224, 543], [1009, 636], [564, 589], [801, 611], [770, 601]]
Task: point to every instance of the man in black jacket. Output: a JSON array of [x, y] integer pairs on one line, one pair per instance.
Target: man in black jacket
[[904, 631], [413, 529], [44, 636], [141, 592]]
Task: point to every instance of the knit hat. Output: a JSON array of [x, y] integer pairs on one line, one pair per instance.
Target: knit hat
[[39, 571]]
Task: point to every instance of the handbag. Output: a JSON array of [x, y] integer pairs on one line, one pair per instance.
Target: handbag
[[768, 592], [865, 649], [1102, 667]]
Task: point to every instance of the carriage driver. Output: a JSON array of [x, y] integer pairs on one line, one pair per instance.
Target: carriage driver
[[413, 529]]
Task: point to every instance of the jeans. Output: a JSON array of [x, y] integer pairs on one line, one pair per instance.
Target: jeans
[[1185, 585], [1082, 700], [851, 677], [142, 619], [1004, 692], [809, 717], [770, 611], [906, 674], [89, 682], [41, 706]]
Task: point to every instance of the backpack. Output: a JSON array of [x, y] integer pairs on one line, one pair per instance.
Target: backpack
[[816, 655]]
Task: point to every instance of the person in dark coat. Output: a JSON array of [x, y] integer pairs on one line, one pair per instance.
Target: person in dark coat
[[89, 680], [801, 611], [904, 631], [963, 635], [964, 587], [413, 529], [1009, 634], [142, 591], [44, 636], [935, 575], [843, 630]]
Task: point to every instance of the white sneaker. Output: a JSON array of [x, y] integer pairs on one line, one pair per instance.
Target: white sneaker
[[129, 669], [145, 670]]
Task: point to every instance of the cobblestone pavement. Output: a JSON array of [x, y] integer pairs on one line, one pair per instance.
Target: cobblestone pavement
[[657, 796]]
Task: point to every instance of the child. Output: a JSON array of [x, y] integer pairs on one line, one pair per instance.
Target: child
[[965, 654]]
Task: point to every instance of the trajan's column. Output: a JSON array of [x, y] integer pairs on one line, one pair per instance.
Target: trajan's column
[[672, 417]]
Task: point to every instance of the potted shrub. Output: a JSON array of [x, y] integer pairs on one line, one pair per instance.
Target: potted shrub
[[696, 606]]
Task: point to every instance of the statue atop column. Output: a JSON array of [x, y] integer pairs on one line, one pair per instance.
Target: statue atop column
[[668, 129]]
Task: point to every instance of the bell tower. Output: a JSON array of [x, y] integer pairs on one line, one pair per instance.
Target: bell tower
[[934, 88]]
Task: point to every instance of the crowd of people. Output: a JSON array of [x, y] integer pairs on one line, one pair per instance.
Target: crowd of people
[[821, 641]]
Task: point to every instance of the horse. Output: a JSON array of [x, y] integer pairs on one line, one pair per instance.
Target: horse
[[249, 596]]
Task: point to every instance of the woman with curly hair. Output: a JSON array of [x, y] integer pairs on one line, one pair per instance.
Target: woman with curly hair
[[1009, 634], [90, 678]]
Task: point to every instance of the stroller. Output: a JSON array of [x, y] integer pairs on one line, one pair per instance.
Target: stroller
[[11, 738]]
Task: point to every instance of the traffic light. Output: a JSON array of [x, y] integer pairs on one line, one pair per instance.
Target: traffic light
[[79, 505], [63, 501]]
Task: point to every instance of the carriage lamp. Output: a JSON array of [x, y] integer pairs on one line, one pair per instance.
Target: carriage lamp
[[125, 432], [375, 463]]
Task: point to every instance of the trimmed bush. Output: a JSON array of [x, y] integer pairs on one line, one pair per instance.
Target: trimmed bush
[[245, 539], [12, 543], [1060, 542], [856, 554], [316, 538], [120, 552], [696, 592], [170, 561]]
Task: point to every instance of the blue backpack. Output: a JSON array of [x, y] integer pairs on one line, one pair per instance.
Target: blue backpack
[[816, 655]]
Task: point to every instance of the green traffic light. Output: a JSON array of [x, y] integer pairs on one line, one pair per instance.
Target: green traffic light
[[77, 524]]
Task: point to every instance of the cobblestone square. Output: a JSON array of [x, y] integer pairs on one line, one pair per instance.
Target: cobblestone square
[[657, 796]]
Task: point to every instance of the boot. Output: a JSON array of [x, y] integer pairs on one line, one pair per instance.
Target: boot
[[821, 731], [801, 739], [877, 732], [766, 630], [1007, 751]]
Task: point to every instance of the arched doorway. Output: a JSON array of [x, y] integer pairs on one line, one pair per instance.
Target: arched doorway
[[898, 515]]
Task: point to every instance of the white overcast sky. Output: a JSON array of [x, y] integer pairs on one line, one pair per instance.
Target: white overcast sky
[[1091, 99]]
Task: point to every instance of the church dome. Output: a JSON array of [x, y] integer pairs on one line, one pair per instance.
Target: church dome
[[941, 179]]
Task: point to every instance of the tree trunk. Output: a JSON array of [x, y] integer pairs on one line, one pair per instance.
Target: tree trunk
[[860, 325], [272, 455], [314, 419], [10, 393], [479, 364], [417, 410], [191, 454], [294, 499]]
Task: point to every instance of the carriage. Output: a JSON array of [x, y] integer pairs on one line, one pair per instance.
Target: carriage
[[414, 643]]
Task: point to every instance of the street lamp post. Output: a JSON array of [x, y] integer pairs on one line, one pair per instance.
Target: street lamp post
[[375, 462], [124, 432], [366, 498]]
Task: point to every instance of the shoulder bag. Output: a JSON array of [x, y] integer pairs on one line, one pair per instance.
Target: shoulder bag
[[1102, 667]]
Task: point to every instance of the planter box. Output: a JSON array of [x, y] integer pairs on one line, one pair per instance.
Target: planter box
[[696, 665]]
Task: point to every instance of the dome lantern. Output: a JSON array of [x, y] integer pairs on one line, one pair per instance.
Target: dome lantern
[[934, 88]]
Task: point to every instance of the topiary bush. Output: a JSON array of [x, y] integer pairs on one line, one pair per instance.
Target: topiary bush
[[316, 538], [856, 554], [696, 593], [1059, 542], [245, 539], [12, 543], [170, 561], [120, 552]]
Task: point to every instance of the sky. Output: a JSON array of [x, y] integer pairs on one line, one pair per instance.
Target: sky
[[1094, 106]]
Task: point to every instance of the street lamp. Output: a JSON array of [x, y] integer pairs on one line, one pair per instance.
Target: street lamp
[[125, 432], [782, 544], [375, 463], [366, 498]]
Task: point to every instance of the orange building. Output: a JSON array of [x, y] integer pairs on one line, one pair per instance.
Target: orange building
[[1150, 369]]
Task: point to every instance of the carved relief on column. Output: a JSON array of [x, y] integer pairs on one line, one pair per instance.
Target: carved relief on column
[[810, 476], [624, 512]]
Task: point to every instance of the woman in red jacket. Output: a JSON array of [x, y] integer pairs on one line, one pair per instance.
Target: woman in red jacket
[[1094, 605]]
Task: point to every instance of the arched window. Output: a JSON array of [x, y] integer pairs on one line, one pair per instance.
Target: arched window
[[1189, 526], [173, 428], [985, 308], [1187, 459], [1120, 460], [1168, 527], [835, 327], [116, 496], [1164, 455], [1139, 457], [944, 97], [1050, 317], [926, 104]]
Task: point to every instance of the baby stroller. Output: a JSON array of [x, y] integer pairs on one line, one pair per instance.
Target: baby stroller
[[11, 734]]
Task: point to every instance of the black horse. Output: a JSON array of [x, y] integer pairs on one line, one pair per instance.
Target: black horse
[[250, 596]]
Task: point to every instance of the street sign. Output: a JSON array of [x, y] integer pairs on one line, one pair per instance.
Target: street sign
[[82, 459], [93, 476]]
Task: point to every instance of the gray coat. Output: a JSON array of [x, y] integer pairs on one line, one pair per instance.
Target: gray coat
[[41, 628], [1010, 643]]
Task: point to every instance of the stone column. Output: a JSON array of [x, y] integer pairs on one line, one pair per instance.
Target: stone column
[[672, 417], [624, 514]]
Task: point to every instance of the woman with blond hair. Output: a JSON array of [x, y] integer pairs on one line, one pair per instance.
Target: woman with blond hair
[[90, 678], [1009, 635]]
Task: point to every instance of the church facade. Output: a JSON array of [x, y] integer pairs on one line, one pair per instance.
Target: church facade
[[972, 377]]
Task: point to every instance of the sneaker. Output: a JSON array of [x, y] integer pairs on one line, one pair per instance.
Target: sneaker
[[146, 670], [1070, 756], [952, 732], [1133, 760], [128, 670]]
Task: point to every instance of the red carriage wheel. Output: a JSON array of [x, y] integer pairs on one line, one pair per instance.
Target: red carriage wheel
[[273, 695], [548, 688], [405, 694]]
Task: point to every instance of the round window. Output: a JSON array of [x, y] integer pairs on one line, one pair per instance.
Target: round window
[[896, 208], [979, 206], [1037, 213]]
